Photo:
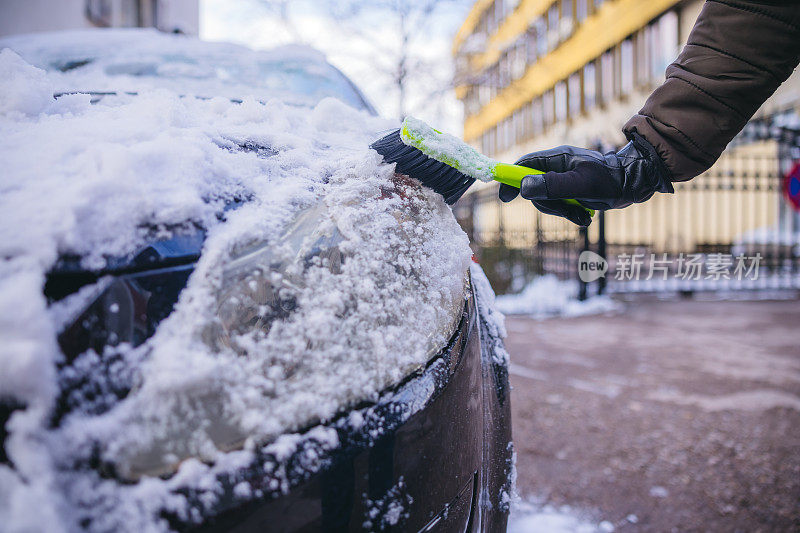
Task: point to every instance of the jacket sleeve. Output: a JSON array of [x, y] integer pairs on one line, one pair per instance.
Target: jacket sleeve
[[737, 55]]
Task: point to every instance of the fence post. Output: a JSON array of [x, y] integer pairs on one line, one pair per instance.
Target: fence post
[[584, 233], [601, 248], [501, 226]]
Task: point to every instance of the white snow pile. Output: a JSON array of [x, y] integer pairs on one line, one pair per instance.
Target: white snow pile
[[534, 517], [95, 180], [547, 296], [767, 238]]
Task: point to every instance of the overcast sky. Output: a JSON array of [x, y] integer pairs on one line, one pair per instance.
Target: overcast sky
[[249, 23]]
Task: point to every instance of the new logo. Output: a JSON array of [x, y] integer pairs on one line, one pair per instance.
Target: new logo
[[591, 266]]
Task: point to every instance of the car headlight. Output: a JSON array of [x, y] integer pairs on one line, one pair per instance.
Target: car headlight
[[274, 336], [261, 282], [114, 311]]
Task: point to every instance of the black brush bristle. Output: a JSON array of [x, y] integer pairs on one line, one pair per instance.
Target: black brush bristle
[[440, 177]]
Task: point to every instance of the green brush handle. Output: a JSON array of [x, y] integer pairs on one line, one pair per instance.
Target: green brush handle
[[513, 174]]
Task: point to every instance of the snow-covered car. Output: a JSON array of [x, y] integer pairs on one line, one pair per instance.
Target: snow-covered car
[[220, 310]]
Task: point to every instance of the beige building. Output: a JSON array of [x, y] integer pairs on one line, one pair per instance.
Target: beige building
[[534, 74]]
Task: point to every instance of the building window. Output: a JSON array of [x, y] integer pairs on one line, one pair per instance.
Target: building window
[[484, 91], [548, 108], [575, 94], [537, 120], [527, 121], [643, 44], [552, 27], [129, 13], [148, 13], [653, 51], [589, 86], [666, 46], [524, 125], [498, 141], [607, 83], [503, 71], [566, 9], [566, 24], [530, 45], [483, 24], [489, 20], [626, 67], [499, 11], [541, 37], [139, 13], [581, 10], [519, 60], [561, 101], [498, 145], [471, 103], [552, 16]]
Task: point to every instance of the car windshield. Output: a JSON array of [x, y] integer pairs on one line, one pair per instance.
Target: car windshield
[[136, 60]]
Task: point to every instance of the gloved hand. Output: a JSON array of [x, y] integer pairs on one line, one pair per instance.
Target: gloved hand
[[597, 181]]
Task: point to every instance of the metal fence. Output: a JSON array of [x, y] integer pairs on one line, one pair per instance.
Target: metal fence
[[728, 229]]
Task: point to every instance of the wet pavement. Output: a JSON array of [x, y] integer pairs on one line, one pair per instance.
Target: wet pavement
[[670, 416]]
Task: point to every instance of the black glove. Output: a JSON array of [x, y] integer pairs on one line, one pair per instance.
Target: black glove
[[597, 181]]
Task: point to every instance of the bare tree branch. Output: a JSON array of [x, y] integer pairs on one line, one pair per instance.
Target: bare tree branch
[[412, 20], [394, 47]]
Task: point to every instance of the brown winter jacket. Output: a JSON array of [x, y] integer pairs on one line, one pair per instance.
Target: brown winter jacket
[[737, 55]]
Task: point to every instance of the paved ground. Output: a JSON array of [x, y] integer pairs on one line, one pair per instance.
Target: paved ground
[[685, 414]]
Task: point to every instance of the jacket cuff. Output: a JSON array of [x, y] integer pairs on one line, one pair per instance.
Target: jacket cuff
[[662, 173]]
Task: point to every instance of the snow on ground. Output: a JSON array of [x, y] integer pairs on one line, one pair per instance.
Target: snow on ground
[[528, 516], [764, 238], [767, 286], [547, 296], [97, 180]]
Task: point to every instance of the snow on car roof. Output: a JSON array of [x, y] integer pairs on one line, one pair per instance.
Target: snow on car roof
[[133, 59], [95, 180]]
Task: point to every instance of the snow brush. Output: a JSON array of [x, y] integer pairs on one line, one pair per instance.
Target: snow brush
[[444, 163]]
